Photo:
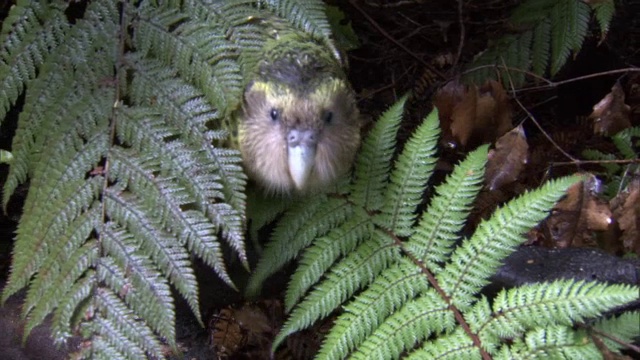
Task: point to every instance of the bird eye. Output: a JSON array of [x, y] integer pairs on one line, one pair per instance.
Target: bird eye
[[275, 114], [327, 117]]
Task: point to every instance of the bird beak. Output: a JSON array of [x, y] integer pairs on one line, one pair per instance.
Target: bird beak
[[301, 155]]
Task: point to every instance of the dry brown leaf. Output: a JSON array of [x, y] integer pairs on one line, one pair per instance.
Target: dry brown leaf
[[445, 101], [626, 211], [507, 160], [248, 330], [575, 218], [226, 334], [496, 120], [611, 115], [464, 116], [470, 116]]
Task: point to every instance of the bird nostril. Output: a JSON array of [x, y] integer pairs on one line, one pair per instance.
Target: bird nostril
[[302, 137], [311, 136]]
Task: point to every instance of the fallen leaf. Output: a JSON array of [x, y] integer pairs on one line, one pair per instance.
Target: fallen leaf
[[495, 120], [626, 211], [507, 160], [463, 117], [575, 218], [226, 334], [611, 115], [470, 116]]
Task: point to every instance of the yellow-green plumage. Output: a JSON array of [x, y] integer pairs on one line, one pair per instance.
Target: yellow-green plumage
[[299, 127]]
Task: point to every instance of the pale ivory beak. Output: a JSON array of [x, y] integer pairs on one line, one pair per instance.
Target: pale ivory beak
[[301, 155]]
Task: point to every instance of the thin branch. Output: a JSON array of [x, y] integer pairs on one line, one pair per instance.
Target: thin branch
[[581, 162], [533, 118], [462, 35]]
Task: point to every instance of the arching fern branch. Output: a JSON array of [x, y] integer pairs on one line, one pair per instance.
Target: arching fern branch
[[548, 32], [409, 285], [124, 138]]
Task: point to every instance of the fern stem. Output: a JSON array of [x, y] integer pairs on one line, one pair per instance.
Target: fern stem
[[432, 280]]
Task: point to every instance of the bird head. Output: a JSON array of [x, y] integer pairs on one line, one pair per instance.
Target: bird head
[[299, 128]]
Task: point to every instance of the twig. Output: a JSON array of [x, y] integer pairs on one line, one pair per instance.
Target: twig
[[581, 162], [462, 35], [394, 4], [530, 115], [551, 84]]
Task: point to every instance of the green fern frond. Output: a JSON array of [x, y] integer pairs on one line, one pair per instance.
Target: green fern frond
[[569, 25], [319, 257], [407, 186], [124, 137], [305, 15], [372, 165], [553, 342], [199, 51], [438, 230], [394, 287], [305, 222], [478, 258], [623, 328], [415, 289], [562, 302], [25, 44], [550, 31], [603, 11], [624, 142]]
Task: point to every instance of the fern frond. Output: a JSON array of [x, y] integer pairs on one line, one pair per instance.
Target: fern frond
[[624, 142], [306, 15], [356, 270], [437, 232], [411, 324], [454, 346], [372, 165], [562, 302], [386, 294], [305, 222], [555, 342], [200, 51], [478, 258], [170, 258], [407, 185], [54, 95], [603, 11], [623, 328], [569, 25], [120, 330], [401, 299], [550, 31], [319, 257], [30, 32]]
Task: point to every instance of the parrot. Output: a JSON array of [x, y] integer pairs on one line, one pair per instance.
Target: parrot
[[299, 126]]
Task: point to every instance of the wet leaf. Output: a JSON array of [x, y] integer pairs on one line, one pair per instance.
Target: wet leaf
[[626, 211], [611, 115], [470, 116], [575, 219], [507, 160]]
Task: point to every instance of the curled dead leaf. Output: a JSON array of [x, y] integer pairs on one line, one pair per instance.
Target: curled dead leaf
[[611, 115], [507, 160], [575, 218], [470, 115], [626, 211]]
